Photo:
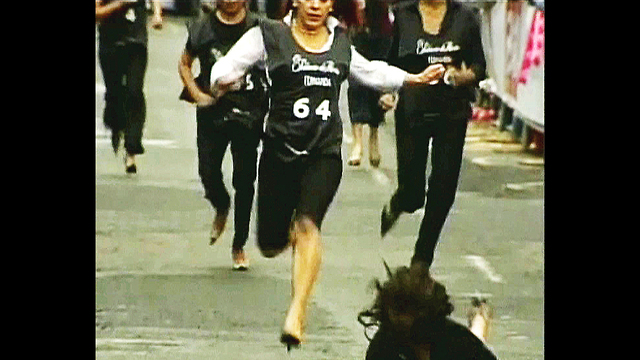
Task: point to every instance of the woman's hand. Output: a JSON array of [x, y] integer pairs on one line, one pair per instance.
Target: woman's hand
[[459, 77], [431, 75], [387, 101], [204, 99]]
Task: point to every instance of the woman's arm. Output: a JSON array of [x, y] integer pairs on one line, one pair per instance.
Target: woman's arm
[[186, 75], [384, 77], [474, 66], [104, 11], [228, 72]]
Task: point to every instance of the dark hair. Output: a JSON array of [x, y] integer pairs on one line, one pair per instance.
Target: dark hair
[[376, 16], [409, 290], [343, 10]]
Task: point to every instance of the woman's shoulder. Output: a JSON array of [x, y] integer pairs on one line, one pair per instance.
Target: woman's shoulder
[[200, 29], [271, 23], [201, 21]]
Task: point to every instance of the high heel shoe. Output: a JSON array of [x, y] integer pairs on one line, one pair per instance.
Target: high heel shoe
[[289, 341], [356, 155], [354, 162], [388, 219], [130, 168], [219, 224], [240, 260], [374, 161], [115, 141]]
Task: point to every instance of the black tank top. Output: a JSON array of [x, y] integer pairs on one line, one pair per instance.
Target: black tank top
[[304, 117], [209, 40]]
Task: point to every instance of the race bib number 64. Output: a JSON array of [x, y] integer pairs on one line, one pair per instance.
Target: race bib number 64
[[301, 109]]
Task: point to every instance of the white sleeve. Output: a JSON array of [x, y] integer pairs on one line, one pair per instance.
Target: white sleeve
[[376, 74], [247, 51]]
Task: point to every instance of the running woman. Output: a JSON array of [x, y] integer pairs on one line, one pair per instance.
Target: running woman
[[429, 32], [235, 119], [307, 57], [123, 58]]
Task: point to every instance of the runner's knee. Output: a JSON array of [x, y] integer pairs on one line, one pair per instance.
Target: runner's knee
[[271, 243], [304, 225]]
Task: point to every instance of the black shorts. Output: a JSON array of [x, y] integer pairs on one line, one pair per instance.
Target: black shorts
[[288, 191]]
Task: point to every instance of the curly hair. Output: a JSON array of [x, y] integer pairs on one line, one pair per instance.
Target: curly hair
[[409, 291]]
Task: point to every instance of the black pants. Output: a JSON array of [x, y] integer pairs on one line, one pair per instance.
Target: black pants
[[123, 69], [412, 141], [213, 138], [288, 191]]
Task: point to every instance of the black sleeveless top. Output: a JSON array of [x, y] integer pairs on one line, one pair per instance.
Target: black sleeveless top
[[126, 26], [209, 40], [304, 117]]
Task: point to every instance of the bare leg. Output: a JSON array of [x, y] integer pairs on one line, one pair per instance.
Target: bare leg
[[307, 257], [374, 150], [356, 152]]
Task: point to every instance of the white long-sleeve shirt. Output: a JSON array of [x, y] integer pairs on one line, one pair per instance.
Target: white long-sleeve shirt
[[250, 50]]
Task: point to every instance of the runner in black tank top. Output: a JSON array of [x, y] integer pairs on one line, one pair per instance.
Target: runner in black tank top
[[234, 121], [304, 118], [300, 165]]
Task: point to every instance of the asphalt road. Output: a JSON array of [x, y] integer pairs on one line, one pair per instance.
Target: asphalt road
[[163, 293]]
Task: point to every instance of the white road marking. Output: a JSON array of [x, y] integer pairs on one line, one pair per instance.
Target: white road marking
[[476, 294], [518, 337], [524, 186], [483, 265], [169, 144], [485, 161]]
